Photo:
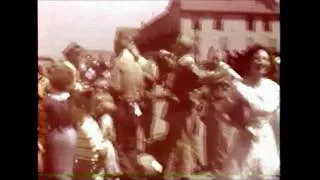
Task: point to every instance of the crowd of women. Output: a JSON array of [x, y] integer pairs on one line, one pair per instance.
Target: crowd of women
[[96, 114]]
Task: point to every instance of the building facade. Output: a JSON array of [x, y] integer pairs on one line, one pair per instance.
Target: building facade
[[226, 24]]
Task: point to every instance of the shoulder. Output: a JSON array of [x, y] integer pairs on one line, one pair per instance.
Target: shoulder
[[126, 56], [106, 119], [270, 84], [143, 61], [89, 122]]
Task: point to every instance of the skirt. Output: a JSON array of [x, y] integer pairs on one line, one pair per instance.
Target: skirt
[[61, 146]]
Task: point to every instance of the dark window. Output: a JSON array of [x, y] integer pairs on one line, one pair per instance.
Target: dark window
[[217, 24], [196, 24], [250, 25], [267, 25]]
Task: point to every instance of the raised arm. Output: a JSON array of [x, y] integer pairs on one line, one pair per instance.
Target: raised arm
[[266, 104], [107, 127], [188, 61], [232, 72]]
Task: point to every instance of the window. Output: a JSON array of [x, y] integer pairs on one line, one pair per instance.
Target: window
[[250, 41], [223, 41], [217, 24], [196, 24], [251, 25], [267, 25]]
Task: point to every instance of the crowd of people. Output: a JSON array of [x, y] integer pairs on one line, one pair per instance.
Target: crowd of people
[[96, 114]]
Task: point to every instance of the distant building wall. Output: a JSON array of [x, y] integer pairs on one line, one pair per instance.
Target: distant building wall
[[234, 34]]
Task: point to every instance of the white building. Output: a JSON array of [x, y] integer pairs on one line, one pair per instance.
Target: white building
[[228, 24]]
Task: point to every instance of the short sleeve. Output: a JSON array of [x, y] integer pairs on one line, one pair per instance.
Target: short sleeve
[[92, 131], [107, 127]]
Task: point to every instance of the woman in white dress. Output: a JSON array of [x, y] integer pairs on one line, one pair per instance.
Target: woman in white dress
[[103, 108], [254, 154]]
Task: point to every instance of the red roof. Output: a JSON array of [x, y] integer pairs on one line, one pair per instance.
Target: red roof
[[244, 6]]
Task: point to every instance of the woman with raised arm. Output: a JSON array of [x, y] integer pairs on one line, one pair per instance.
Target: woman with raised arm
[[254, 153]]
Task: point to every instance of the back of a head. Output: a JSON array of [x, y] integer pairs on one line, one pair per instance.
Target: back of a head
[[82, 97], [121, 42], [185, 43], [44, 63], [72, 51], [102, 102], [62, 75]]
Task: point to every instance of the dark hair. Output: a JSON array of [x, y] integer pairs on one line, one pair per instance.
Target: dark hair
[[244, 61], [273, 72]]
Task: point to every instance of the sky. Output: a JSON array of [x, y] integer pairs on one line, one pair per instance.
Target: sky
[[90, 23]]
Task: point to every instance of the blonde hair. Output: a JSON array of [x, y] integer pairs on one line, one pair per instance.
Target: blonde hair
[[62, 75]]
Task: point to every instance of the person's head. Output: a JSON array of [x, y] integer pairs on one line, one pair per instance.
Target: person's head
[[62, 75], [43, 63], [184, 44], [121, 42], [82, 99], [43, 83], [91, 62], [102, 102], [72, 51], [256, 61], [102, 83], [216, 55]]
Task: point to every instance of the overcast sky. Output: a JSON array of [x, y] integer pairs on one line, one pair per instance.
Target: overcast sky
[[90, 23]]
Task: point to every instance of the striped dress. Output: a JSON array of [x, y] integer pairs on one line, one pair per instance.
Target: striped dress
[[90, 140], [89, 143]]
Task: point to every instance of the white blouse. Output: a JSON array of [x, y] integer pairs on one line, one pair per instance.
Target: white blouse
[[265, 98]]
